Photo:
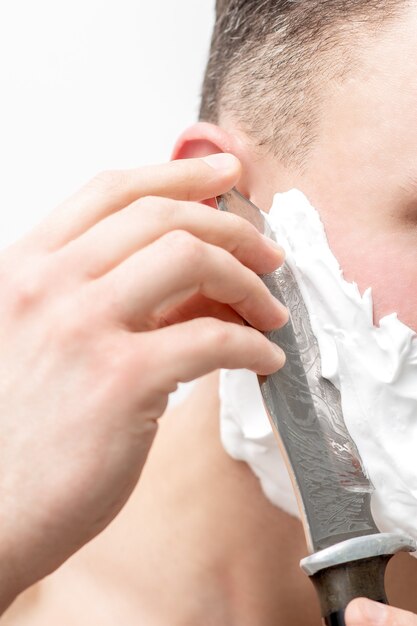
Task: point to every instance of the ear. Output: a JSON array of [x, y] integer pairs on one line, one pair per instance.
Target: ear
[[202, 139]]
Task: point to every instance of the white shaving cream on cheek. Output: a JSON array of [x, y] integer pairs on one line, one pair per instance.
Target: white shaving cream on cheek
[[374, 368]]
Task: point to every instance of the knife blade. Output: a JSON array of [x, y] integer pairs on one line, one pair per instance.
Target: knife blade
[[332, 487]]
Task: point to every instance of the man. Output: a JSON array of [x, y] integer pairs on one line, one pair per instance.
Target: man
[[319, 96]]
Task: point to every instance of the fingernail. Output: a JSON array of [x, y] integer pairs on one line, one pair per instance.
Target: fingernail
[[221, 161], [367, 612]]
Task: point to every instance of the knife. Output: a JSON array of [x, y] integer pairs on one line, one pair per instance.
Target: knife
[[347, 553]]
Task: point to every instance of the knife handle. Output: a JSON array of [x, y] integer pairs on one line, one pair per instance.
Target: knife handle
[[336, 586]]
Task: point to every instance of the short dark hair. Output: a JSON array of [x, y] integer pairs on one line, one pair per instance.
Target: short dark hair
[[269, 60]]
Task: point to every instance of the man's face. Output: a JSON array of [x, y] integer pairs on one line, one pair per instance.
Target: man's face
[[362, 172]]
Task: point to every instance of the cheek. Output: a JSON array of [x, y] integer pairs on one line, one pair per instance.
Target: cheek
[[383, 260]]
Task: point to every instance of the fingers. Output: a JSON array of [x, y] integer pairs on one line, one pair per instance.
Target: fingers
[[118, 236], [363, 612], [199, 306], [187, 351], [108, 192], [176, 267]]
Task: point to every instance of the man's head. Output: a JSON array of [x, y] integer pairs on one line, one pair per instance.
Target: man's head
[[322, 96], [272, 61]]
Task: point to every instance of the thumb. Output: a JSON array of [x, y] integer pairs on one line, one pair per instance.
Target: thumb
[[363, 612]]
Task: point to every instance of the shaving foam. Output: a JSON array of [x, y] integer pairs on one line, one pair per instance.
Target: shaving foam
[[374, 368]]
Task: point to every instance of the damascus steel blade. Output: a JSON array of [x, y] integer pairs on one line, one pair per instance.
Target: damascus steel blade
[[305, 411]]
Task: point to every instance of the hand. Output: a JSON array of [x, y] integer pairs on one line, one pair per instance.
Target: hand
[[362, 612], [127, 289]]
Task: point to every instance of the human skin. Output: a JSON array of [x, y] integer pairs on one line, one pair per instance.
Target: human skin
[[127, 289], [361, 175], [363, 612], [198, 543]]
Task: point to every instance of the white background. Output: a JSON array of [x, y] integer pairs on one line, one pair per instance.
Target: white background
[[88, 85]]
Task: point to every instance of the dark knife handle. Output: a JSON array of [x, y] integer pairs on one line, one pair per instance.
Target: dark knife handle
[[336, 586]]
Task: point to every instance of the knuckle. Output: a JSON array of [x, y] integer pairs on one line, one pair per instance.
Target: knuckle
[[236, 222], [27, 289], [70, 328], [75, 321], [217, 334], [241, 226], [187, 247], [241, 231]]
